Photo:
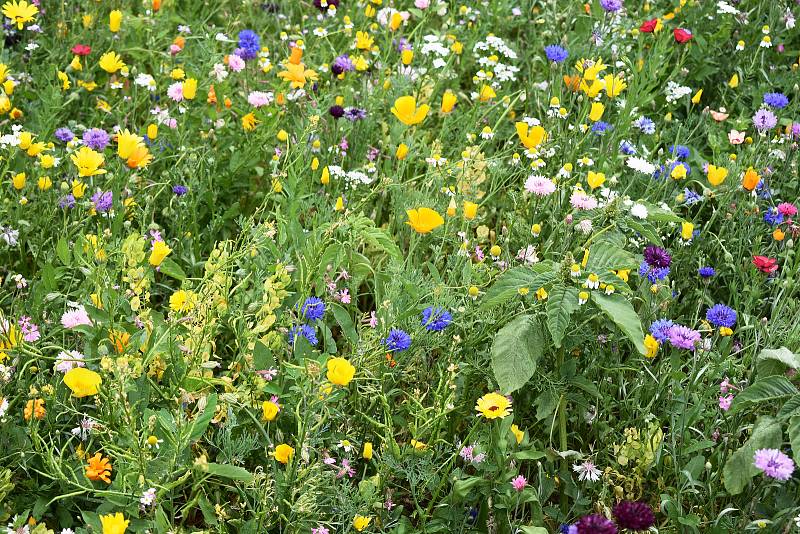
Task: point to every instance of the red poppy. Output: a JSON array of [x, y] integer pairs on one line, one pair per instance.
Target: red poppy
[[765, 264], [82, 49], [681, 35], [648, 26]]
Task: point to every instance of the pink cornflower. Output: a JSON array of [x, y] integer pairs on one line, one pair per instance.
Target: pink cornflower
[[30, 332], [774, 463], [235, 63], [581, 201], [725, 402], [175, 91], [787, 209], [539, 185], [258, 99], [75, 317], [343, 296], [519, 483], [346, 469]]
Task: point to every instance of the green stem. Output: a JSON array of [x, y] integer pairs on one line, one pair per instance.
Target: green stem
[[562, 435]]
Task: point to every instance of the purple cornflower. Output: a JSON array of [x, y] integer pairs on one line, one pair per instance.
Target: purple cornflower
[[180, 190], [595, 524], [774, 464], [556, 53], [776, 100], [96, 139], [467, 452], [656, 256], [764, 120], [721, 315], [660, 329], [64, 135], [397, 340], [67, 202], [436, 319], [683, 337], [249, 44], [634, 515], [342, 64], [103, 200], [355, 114], [611, 5]]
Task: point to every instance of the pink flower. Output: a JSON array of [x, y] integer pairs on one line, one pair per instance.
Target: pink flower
[[258, 99], [539, 185], [75, 317], [736, 137], [581, 201], [725, 402], [175, 91], [724, 385], [787, 209], [422, 4], [235, 63], [519, 483]]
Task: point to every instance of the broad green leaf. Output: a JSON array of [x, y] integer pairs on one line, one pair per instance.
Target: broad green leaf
[[604, 257], [345, 323], [794, 435], [646, 230], [201, 422], [621, 312], [509, 283], [516, 350], [262, 357], [739, 468], [659, 214], [790, 407], [62, 250], [172, 269], [229, 471], [463, 487], [769, 389], [533, 530], [776, 361], [561, 303]]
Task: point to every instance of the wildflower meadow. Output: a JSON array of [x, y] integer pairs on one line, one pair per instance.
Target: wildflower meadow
[[399, 266]]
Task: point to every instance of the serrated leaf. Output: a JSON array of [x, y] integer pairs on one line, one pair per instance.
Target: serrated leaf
[[739, 468], [621, 312], [62, 250], [768, 389], [516, 350], [604, 257], [776, 361], [509, 283], [561, 303]]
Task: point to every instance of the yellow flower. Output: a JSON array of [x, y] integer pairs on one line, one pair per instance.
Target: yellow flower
[[78, 188], [20, 12], [750, 179], [88, 162], [449, 99], [593, 89], [340, 371], [249, 122], [419, 445], [47, 161], [614, 85], [364, 41], [127, 143], [182, 301], [114, 524], [622, 274], [111, 62], [139, 158], [678, 172], [283, 453], [687, 231], [82, 382], [189, 89], [424, 220], [651, 345], [590, 68], [530, 137], [402, 151], [486, 94], [64, 79], [366, 453], [518, 434], [361, 522], [298, 75], [406, 110], [494, 405], [596, 112], [734, 81], [18, 181], [595, 179], [115, 20], [724, 331], [697, 96], [407, 56], [75, 64], [270, 410], [470, 210], [44, 183], [716, 175], [159, 252]]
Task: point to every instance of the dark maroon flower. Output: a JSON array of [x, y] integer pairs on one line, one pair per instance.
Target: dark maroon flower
[[634, 515], [657, 257], [595, 524], [337, 112]]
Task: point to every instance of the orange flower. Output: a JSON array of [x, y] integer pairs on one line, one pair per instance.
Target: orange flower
[[212, 95], [296, 56], [99, 468], [119, 339], [778, 234], [34, 408], [573, 83], [750, 179]]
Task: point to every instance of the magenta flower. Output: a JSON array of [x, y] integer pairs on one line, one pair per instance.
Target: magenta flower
[[519, 483], [774, 464]]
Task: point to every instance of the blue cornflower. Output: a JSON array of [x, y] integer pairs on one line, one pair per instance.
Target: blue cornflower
[[355, 114], [180, 190], [249, 44], [67, 202], [306, 331], [397, 340], [436, 319], [556, 53], [773, 217], [627, 148], [706, 272], [645, 125], [690, 197], [721, 315], [776, 100], [601, 127], [660, 329], [654, 274], [313, 308], [680, 151]]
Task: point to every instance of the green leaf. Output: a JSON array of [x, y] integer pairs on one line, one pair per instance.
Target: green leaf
[[172, 269], [345, 323], [229, 471], [531, 454], [461, 488], [62, 250], [776, 361], [545, 404], [533, 530], [604, 257], [561, 303], [376, 237], [646, 230], [767, 389], [262, 357], [794, 435], [621, 312], [739, 468], [509, 283], [659, 214], [790, 407], [516, 350], [201, 422]]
